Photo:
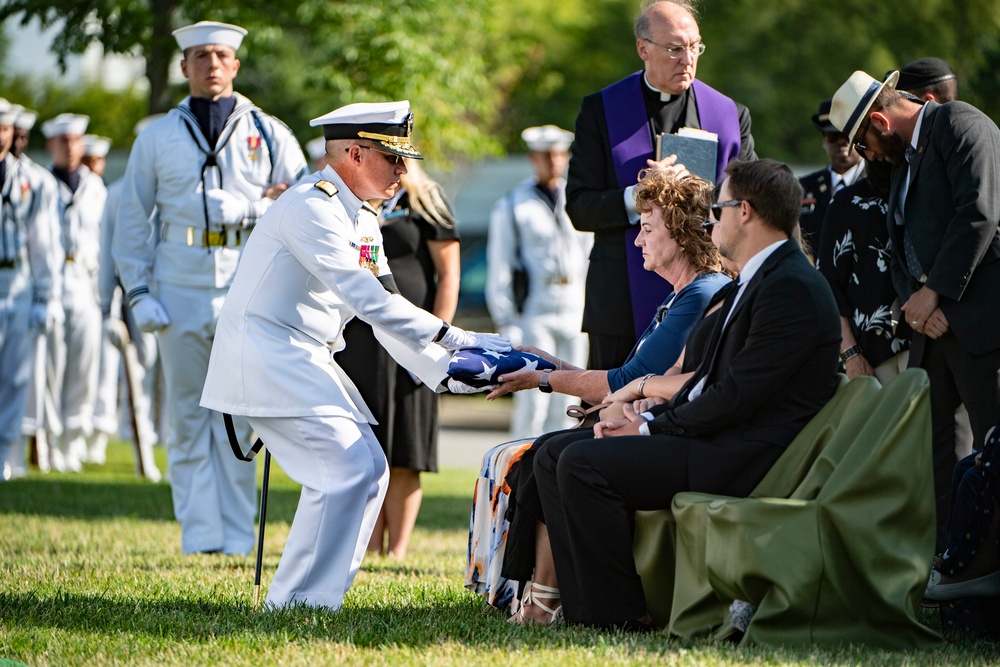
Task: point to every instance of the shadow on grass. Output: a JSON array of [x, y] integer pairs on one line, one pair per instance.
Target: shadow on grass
[[82, 498], [463, 620]]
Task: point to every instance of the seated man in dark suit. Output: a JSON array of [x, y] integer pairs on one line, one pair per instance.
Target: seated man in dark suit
[[770, 366]]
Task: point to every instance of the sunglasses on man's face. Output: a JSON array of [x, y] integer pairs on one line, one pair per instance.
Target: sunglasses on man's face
[[717, 207]]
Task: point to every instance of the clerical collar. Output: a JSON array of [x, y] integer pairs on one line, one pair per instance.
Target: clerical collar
[[212, 115], [664, 97]]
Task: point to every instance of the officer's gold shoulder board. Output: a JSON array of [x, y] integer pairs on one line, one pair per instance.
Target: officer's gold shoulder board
[[329, 188]]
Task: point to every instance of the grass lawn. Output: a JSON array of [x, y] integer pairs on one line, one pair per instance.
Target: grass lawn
[[91, 574]]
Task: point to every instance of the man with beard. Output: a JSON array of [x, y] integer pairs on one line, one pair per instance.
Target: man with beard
[[943, 210]]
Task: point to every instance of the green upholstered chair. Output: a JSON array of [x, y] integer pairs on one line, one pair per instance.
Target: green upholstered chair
[[834, 545]]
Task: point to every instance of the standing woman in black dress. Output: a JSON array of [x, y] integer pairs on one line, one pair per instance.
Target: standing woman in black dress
[[421, 242]]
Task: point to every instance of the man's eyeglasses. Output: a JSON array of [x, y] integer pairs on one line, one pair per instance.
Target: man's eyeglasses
[[716, 210], [391, 158], [675, 51], [857, 145]]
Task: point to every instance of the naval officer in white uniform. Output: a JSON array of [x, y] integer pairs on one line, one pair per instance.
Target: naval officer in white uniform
[[27, 267], [530, 232], [314, 262], [208, 168]]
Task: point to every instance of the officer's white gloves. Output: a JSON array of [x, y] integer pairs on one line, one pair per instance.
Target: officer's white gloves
[[227, 209], [40, 315], [460, 339], [513, 333], [149, 313], [115, 332]]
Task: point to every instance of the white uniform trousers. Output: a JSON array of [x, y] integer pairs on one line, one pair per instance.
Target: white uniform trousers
[[108, 382], [344, 476], [15, 368], [76, 354], [536, 413], [214, 493]]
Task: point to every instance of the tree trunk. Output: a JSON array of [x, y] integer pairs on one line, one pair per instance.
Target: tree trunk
[[159, 54]]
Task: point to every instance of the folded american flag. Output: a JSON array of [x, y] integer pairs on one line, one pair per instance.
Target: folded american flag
[[479, 368]]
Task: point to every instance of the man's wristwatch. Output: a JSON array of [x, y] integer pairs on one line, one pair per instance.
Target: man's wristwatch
[[543, 382], [852, 351]]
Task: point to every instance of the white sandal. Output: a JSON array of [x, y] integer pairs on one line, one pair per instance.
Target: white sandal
[[533, 596]]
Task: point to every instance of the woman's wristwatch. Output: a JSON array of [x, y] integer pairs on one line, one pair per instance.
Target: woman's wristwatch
[[543, 382], [852, 351]]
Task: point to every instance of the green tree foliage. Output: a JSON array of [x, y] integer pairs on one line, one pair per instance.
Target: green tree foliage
[[477, 73]]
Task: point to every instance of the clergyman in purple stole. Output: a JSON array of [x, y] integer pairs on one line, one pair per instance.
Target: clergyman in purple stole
[[631, 138]]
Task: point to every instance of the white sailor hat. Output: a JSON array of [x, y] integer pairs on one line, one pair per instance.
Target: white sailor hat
[[8, 112], [209, 32], [96, 146], [316, 148], [547, 138], [388, 124], [65, 123], [146, 122], [25, 119]]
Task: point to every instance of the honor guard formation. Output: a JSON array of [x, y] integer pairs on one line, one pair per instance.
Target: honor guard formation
[[705, 307]]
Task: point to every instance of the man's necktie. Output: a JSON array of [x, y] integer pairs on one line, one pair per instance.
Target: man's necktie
[[913, 264]]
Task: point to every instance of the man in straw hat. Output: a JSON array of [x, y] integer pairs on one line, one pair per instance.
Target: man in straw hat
[[943, 211], [315, 262], [27, 270], [209, 168]]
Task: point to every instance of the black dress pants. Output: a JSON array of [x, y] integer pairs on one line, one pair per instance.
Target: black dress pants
[[589, 490], [956, 377]]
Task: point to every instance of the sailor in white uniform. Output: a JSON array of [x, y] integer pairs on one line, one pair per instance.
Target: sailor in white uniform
[[533, 244], [314, 262], [40, 409], [26, 270], [209, 168], [105, 420], [75, 349]]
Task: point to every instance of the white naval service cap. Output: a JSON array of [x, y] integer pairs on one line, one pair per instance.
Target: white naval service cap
[[547, 138], [8, 112], [25, 119], [96, 146], [388, 124], [316, 148], [65, 123], [209, 32]]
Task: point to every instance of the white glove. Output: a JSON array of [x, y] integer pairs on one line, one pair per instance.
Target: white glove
[[149, 313], [513, 333], [460, 339], [113, 331], [40, 315], [456, 387], [227, 209]]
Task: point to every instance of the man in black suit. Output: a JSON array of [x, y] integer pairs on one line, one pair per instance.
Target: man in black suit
[[615, 138], [845, 168], [770, 366], [943, 212]]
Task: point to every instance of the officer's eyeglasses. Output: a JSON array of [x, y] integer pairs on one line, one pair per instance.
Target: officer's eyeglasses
[[391, 158], [675, 51]]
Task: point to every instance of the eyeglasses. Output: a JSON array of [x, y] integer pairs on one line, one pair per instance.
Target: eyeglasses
[[391, 158], [717, 210], [675, 51], [857, 145]]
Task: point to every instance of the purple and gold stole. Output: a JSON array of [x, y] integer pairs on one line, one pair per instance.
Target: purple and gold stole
[[631, 139]]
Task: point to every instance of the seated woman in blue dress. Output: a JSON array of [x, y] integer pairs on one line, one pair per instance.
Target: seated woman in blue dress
[[676, 247]]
